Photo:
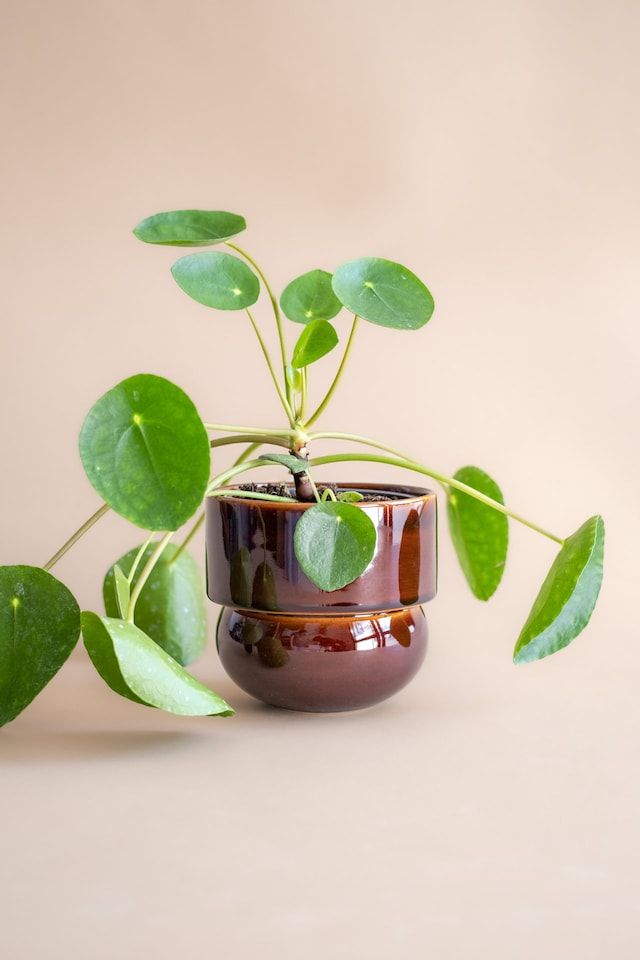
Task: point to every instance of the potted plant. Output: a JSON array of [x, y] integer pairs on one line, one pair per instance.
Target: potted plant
[[321, 585]]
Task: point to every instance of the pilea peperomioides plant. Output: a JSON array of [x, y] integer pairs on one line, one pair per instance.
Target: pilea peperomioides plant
[[147, 453]]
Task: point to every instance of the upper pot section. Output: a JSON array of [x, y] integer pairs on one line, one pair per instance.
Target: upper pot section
[[251, 564]]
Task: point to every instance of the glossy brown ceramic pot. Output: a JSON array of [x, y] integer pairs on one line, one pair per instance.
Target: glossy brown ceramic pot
[[290, 644]]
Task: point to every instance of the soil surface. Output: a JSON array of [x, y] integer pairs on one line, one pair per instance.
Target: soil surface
[[282, 490]]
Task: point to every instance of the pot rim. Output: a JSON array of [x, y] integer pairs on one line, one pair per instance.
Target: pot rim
[[413, 494]]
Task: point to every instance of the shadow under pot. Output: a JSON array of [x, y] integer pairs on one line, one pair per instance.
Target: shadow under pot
[[290, 644]]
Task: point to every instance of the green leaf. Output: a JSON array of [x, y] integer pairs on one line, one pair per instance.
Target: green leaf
[[190, 228], [294, 464], [334, 543], [121, 592], [217, 280], [480, 534], [383, 292], [310, 297], [350, 496], [317, 339], [137, 668], [567, 597], [39, 627], [170, 608], [146, 452]]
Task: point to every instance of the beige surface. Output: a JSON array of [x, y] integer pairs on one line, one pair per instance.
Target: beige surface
[[487, 812]]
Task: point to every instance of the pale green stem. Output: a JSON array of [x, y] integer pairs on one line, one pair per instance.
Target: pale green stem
[[328, 494], [232, 472], [80, 532], [138, 558], [257, 431], [435, 475], [313, 486], [247, 453], [274, 304], [336, 380], [189, 537], [146, 573], [302, 412], [249, 495], [249, 438], [283, 399]]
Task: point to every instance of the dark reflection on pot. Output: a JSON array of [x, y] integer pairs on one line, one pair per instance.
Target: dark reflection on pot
[[240, 577], [263, 594], [409, 560]]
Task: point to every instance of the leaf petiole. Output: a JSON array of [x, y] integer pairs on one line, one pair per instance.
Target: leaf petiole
[[284, 400], [249, 495], [138, 557], [249, 438], [256, 431], [404, 463], [146, 573], [80, 532], [336, 380], [274, 305]]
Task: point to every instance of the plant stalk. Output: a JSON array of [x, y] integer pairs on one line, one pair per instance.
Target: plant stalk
[[80, 532], [441, 478], [257, 431], [274, 304], [283, 399], [336, 380], [146, 573], [249, 438], [138, 558]]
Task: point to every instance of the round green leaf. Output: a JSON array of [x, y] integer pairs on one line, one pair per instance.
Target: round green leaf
[[39, 627], [217, 280], [334, 544], [137, 668], [170, 608], [480, 534], [146, 452], [383, 292], [190, 228], [310, 297], [567, 597], [317, 339]]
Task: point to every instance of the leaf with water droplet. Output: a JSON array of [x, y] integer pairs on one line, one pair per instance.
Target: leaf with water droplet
[[138, 669], [145, 450]]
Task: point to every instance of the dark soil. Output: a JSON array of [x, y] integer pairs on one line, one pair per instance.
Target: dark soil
[[282, 490]]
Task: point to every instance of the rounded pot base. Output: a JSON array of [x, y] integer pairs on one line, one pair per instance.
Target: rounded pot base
[[322, 664]]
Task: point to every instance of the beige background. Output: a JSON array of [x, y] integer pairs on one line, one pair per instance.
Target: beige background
[[488, 811]]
